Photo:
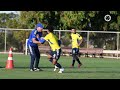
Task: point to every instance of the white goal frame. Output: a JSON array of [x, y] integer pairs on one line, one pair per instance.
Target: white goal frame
[[26, 47]]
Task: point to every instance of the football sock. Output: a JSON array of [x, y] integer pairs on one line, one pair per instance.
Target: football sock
[[73, 62], [58, 65], [78, 61]]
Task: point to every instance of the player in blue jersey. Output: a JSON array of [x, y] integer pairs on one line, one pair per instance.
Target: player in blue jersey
[[32, 44]]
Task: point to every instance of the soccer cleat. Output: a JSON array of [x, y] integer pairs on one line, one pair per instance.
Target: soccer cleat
[[31, 69], [37, 69], [79, 65], [55, 68], [61, 70], [72, 66]]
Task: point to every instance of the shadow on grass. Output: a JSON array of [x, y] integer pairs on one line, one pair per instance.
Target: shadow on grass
[[100, 67], [66, 67], [2, 67], [81, 72], [23, 67]]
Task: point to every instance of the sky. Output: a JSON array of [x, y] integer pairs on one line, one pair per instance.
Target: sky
[[10, 12]]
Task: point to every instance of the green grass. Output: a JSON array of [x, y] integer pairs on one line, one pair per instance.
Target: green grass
[[92, 68]]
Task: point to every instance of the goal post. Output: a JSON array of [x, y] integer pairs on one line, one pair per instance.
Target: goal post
[[26, 47]]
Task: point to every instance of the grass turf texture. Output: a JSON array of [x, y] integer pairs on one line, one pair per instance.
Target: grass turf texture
[[92, 68]]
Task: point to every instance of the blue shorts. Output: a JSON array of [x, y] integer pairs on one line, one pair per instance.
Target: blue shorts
[[55, 54], [75, 51]]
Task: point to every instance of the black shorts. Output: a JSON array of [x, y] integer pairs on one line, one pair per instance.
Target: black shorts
[[55, 54], [75, 51]]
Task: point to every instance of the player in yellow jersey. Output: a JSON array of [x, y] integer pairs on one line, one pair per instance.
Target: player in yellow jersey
[[76, 42], [55, 51]]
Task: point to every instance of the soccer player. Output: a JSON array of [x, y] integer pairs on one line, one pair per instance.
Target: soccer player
[[55, 51], [76, 42], [32, 44]]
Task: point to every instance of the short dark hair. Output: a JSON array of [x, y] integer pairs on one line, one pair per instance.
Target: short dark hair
[[50, 28]]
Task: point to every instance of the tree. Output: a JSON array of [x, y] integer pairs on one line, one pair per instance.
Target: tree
[[61, 20], [71, 19]]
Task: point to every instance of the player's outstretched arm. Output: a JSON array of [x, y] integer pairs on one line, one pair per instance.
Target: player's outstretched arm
[[42, 40], [36, 42]]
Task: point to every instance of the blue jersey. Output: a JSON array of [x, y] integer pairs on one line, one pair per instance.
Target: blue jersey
[[33, 34]]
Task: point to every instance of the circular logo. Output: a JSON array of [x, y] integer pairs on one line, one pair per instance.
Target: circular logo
[[107, 18]]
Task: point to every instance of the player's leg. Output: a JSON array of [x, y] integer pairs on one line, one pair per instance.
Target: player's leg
[[77, 58], [50, 57], [73, 57], [32, 54], [58, 54], [37, 53], [79, 62], [73, 60], [53, 59]]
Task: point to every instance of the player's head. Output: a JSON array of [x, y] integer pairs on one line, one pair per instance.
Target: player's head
[[50, 29], [73, 30], [39, 27]]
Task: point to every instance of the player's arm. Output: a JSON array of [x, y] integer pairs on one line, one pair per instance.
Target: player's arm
[[80, 42], [81, 39], [35, 41], [42, 40], [34, 36], [59, 41]]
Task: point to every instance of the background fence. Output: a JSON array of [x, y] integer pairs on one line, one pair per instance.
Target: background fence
[[108, 40]]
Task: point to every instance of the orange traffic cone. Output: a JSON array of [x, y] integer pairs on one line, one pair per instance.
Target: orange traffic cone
[[10, 63]]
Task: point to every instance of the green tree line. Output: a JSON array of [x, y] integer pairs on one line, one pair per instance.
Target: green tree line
[[61, 20]]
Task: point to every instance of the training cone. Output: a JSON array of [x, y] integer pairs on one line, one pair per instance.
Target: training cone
[[10, 62]]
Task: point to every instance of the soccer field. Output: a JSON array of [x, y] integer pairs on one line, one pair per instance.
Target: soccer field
[[92, 68]]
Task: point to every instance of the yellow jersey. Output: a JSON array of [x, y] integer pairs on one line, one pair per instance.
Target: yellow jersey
[[53, 41], [75, 37]]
